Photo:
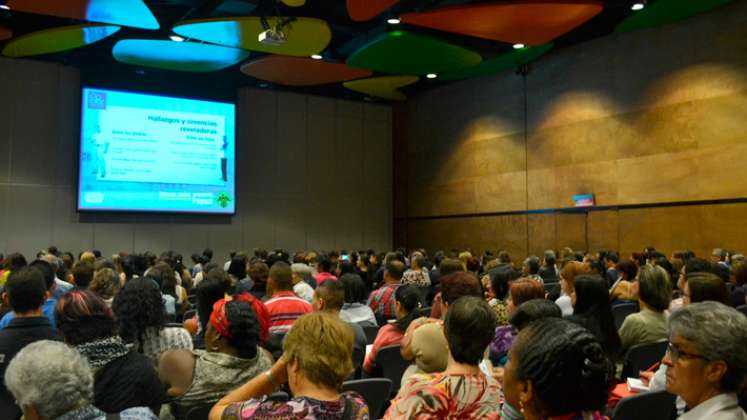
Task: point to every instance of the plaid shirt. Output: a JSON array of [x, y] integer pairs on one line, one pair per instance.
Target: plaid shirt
[[382, 302]]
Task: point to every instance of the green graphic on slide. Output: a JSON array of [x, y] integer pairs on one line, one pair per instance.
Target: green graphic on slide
[[223, 199]]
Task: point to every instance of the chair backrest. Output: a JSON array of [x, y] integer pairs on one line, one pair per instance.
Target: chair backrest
[[280, 396], [199, 413], [742, 309], [375, 391], [621, 311], [371, 333], [658, 405], [392, 364], [641, 357]]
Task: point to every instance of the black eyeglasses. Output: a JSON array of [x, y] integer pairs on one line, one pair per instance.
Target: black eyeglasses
[[676, 353]]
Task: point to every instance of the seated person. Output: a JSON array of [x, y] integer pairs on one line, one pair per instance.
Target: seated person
[[48, 308], [25, 291], [231, 357], [462, 391], [51, 380], [316, 360], [284, 307], [654, 293], [355, 308], [707, 361], [123, 378], [520, 291], [556, 369], [408, 303]]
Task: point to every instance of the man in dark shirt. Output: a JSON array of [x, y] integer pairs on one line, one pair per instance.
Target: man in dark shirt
[[25, 292]]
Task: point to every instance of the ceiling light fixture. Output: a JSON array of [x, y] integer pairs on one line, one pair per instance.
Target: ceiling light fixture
[[638, 6], [431, 75], [519, 46], [176, 38], [316, 56], [393, 21], [4, 7]]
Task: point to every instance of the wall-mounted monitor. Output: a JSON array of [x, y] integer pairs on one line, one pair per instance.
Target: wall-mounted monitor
[[583, 200], [152, 153]]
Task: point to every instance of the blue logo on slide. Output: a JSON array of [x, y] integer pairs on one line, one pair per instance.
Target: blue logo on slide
[[96, 100]]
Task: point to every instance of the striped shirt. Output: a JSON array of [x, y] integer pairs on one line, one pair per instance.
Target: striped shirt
[[382, 302], [285, 308]]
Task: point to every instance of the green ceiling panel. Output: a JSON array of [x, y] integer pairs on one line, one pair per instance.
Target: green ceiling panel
[[498, 64], [663, 12], [181, 56], [401, 52], [57, 39]]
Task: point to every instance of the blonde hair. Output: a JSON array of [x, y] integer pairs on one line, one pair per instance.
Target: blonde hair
[[88, 256], [322, 345], [105, 283]]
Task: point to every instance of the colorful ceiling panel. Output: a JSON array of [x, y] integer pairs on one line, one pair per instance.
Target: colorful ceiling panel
[[663, 12], [294, 3], [181, 56], [297, 71], [305, 36], [362, 10], [531, 22], [401, 52], [5, 33], [503, 62], [382, 87], [132, 13], [57, 39]]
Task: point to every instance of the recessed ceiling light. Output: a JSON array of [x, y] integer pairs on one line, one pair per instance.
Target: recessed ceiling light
[[393, 21], [176, 38], [4, 7], [317, 57], [264, 85], [638, 6], [431, 75], [519, 46]]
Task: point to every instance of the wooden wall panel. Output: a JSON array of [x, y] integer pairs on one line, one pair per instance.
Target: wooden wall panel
[[602, 230]]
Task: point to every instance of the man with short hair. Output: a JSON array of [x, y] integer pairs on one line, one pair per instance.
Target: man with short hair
[[82, 274], [611, 260], [329, 297], [549, 271], [300, 287], [381, 301], [61, 286], [50, 302], [284, 306], [25, 292], [418, 273], [531, 268]]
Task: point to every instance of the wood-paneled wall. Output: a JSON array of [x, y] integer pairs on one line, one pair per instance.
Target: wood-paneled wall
[[638, 119]]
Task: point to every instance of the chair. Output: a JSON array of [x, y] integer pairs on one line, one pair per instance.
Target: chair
[[392, 365], [274, 344], [371, 333], [279, 396], [658, 405], [621, 311], [641, 357], [199, 413], [375, 391], [742, 309]]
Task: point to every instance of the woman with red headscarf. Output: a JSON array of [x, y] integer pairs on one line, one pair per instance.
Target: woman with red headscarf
[[232, 356]]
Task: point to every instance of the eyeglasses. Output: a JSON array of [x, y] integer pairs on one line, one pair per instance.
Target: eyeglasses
[[676, 353]]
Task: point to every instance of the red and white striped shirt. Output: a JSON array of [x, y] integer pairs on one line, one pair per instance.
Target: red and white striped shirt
[[285, 308]]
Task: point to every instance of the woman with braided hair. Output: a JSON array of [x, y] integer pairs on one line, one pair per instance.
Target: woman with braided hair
[[556, 370]]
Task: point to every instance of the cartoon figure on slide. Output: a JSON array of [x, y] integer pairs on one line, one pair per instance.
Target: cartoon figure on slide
[[100, 145]]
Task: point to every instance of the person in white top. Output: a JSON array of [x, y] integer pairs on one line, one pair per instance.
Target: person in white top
[[300, 287], [706, 360]]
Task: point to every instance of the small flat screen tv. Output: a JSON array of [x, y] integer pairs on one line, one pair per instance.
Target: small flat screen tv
[[151, 153]]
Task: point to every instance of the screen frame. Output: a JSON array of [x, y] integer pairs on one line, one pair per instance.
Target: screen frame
[[151, 212]]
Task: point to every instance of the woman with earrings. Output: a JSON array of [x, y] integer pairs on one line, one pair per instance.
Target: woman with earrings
[[557, 370], [232, 357]]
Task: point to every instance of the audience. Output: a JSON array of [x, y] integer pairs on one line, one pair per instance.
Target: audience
[[556, 369], [83, 272], [105, 284], [622, 289], [706, 360], [25, 291], [53, 381], [592, 310], [701, 287], [300, 287], [739, 279], [48, 307], [654, 293], [316, 360], [461, 391], [567, 276], [549, 270], [499, 287], [418, 272], [284, 307], [329, 297], [381, 300], [122, 378], [522, 290], [324, 268], [141, 317], [408, 304], [232, 356], [355, 308]]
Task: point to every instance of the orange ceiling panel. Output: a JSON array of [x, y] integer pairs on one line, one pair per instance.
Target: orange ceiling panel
[[298, 71], [530, 22], [5, 33], [362, 10]]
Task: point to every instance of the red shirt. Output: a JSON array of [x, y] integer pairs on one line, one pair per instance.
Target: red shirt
[[285, 308], [388, 335], [324, 276]]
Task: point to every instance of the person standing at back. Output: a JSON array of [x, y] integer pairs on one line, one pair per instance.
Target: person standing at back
[[26, 292]]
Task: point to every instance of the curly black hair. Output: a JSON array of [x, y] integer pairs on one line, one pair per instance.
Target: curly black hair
[[137, 307], [244, 328]]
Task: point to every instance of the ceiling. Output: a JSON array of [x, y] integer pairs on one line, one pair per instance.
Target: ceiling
[[367, 58]]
